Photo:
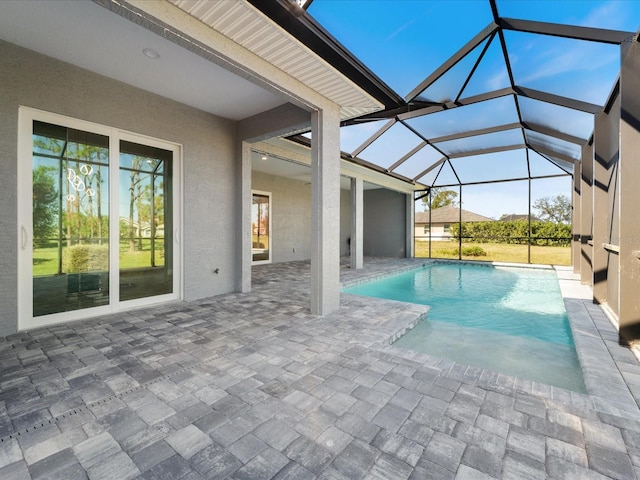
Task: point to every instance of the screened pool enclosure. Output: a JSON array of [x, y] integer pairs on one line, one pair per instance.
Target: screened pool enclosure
[[528, 103]]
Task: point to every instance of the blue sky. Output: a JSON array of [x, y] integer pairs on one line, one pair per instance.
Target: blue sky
[[403, 41]]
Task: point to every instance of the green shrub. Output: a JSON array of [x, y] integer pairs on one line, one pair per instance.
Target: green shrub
[[515, 232], [86, 258], [474, 251]]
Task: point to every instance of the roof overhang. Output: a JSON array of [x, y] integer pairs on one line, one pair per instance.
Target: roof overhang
[[248, 26]]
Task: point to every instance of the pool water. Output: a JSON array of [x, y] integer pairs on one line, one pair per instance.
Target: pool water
[[511, 320]]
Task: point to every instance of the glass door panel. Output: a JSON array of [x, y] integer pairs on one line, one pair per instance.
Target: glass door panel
[[261, 227], [146, 221], [70, 207]]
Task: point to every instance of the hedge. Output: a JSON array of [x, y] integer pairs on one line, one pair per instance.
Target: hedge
[[515, 232], [86, 258]]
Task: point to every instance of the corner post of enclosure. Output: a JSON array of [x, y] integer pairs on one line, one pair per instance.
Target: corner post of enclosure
[[629, 193], [575, 219], [606, 138], [430, 226], [586, 214], [529, 224], [460, 224]]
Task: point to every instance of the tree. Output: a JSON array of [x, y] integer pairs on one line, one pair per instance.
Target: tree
[[440, 198], [45, 203], [554, 209]]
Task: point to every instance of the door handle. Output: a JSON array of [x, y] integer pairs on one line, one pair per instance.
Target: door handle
[[24, 238]]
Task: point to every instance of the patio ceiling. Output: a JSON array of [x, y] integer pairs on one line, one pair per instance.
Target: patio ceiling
[[495, 110]]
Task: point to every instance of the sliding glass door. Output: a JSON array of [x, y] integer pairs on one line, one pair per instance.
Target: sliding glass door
[[70, 226], [146, 221], [97, 220]]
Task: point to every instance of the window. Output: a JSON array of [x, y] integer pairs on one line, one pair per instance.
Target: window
[[427, 229], [447, 227], [261, 227]]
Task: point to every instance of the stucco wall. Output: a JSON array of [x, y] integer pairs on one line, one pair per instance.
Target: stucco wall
[[290, 216], [208, 238], [384, 223]]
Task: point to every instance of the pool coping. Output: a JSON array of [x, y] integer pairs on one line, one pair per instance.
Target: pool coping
[[594, 335]]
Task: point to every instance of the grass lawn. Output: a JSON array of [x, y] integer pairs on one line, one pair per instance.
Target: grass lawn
[[45, 260], [496, 252]]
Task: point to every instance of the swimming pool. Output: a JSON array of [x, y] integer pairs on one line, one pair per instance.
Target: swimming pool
[[511, 320]]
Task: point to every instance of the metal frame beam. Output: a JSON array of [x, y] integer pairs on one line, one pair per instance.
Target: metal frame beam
[[484, 151], [506, 180], [503, 92], [430, 168], [534, 127], [474, 133], [408, 155], [373, 137], [614, 37], [558, 100], [543, 150], [452, 61]]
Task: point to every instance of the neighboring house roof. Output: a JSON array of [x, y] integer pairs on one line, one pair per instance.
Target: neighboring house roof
[[449, 214], [520, 216]]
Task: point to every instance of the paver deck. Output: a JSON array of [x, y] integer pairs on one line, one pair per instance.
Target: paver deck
[[252, 386]]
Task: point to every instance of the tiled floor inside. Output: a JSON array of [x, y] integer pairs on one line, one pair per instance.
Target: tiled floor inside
[[252, 386]]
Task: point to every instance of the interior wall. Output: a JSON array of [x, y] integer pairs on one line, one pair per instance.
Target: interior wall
[[208, 236], [290, 216], [384, 223]]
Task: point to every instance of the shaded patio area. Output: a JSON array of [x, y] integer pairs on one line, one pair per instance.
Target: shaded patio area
[[252, 386]]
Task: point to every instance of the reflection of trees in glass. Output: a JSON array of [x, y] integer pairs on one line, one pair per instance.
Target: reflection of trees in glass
[[45, 204], [261, 224], [83, 217], [134, 196], [70, 169], [146, 201]]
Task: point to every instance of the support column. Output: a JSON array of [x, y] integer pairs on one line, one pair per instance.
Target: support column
[[244, 227], [605, 143], [325, 211], [629, 313], [575, 219], [410, 226], [357, 215], [586, 214]]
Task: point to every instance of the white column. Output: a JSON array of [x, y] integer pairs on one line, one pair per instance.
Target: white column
[[325, 211], [410, 225], [244, 229], [357, 215]]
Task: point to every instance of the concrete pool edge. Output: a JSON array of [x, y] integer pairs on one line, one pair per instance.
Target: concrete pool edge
[[599, 353], [594, 336]]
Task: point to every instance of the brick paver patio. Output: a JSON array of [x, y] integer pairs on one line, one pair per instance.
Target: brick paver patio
[[251, 386]]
